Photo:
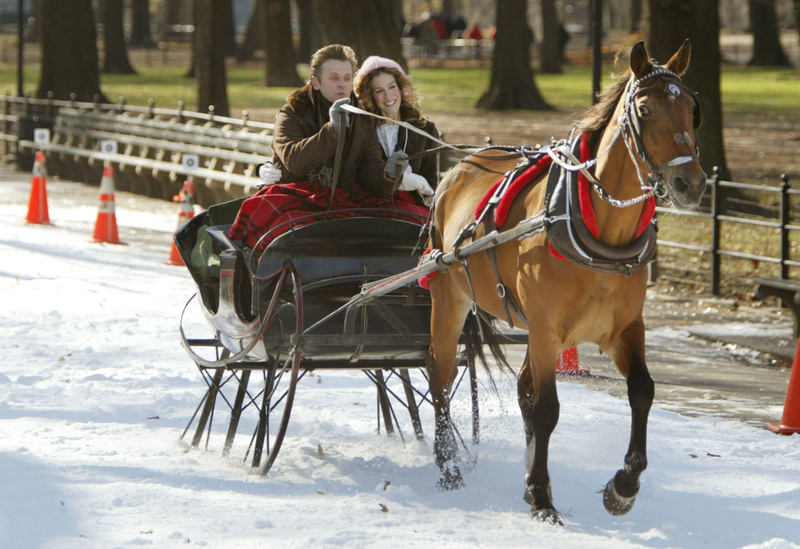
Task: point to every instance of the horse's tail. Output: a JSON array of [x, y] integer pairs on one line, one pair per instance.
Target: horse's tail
[[480, 325]]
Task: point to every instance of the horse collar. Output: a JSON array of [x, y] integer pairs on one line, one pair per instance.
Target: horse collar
[[572, 239]]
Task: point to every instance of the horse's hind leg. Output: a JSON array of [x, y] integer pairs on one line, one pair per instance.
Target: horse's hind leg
[[628, 354], [450, 308], [538, 402]]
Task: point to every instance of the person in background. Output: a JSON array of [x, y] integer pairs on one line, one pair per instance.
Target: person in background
[[383, 88]]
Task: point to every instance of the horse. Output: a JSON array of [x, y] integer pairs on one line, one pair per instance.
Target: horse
[[644, 127]]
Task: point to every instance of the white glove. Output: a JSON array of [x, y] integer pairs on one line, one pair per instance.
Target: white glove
[[415, 182], [268, 173]]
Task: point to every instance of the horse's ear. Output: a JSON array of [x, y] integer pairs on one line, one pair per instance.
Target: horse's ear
[[680, 61], [640, 60]]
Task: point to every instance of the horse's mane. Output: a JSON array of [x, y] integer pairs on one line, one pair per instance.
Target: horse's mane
[[596, 118]]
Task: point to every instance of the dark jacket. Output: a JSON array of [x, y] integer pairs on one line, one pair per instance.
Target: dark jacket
[[304, 144]]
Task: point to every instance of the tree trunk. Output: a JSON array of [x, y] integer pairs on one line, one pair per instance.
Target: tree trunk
[[140, 28], [636, 15], [172, 12], [767, 49], [310, 32], [667, 23], [210, 56], [192, 65], [280, 69], [796, 4], [254, 36], [228, 28], [367, 26], [35, 30], [551, 39], [511, 85], [69, 51], [115, 58]]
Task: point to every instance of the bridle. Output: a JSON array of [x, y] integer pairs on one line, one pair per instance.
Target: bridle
[[629, 125]]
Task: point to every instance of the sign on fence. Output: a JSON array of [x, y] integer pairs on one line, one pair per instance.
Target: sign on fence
[[108, 146], [190, 161], [41, 136]]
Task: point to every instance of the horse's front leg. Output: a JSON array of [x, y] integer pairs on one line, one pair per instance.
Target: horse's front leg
[[447, 321], [538, 402], [628, 354]]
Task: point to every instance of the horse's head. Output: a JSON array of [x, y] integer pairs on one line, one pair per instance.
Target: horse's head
[[663, 116]]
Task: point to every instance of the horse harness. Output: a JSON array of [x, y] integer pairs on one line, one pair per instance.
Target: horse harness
[[561, 216]]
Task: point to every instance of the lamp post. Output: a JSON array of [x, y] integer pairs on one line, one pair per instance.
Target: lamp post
[[20, 24]]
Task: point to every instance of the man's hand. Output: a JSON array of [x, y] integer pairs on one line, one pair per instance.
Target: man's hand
[[338, 115], [397, 163]]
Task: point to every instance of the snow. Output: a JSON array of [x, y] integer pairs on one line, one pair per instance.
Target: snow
[[95, 391]]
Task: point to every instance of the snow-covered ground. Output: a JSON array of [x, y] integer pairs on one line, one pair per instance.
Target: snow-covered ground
[[95, 391]]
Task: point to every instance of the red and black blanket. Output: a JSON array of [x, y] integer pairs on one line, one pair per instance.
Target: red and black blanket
[[276, 209]]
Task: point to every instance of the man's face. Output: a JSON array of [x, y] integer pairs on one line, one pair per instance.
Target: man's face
[[335, 80]]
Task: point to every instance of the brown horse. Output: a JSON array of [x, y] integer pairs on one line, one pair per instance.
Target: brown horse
[[644, 126]]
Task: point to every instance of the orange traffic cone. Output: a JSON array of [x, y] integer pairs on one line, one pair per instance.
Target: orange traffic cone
[[37, 205], [105, 228], [186, 198], [790, 422], [568, 363]]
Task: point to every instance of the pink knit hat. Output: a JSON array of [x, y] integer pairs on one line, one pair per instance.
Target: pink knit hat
[[374, 62]]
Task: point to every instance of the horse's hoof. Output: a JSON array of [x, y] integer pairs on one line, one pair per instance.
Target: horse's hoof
[[451, 480], [614, 503], [547, 516]]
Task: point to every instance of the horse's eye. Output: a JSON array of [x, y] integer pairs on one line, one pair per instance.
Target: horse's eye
[[644, 111]]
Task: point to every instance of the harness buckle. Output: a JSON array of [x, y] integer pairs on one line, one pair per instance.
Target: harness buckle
[[501, 290]]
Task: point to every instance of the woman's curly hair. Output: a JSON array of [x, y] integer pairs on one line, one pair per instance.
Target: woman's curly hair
[[409, 105]]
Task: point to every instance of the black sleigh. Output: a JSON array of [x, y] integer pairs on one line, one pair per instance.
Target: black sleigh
[[279, 315]]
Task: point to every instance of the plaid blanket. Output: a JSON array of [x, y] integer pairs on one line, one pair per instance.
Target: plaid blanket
[[276, 209]]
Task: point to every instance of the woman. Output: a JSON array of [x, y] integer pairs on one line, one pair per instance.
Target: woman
[[307, 150], [383, 88]]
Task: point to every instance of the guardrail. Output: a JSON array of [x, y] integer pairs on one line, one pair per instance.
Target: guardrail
[[757, 231], [154, 144]]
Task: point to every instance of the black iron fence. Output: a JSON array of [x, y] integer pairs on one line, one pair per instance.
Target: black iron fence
[[739, 232]]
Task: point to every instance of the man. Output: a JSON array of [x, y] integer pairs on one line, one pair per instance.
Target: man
[[305, 143], [307, 131]]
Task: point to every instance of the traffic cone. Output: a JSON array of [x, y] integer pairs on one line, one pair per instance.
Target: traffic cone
[[37, 205], [105, 228], [568, 363], [790, 422], [186, 198]]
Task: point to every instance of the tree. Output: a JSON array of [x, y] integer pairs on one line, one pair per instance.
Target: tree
[[667, 23], [310, 32], [254, 35], [280, 68], [229, 28], [796, 5], [209, 56], [551, 39], [767, 49], [511, 85], [636, 15], [367, 26], [140, 26], [115, 59], [69, 51]]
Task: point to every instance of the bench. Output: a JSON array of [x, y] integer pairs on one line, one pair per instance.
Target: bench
[[150, 147], [788, 291]]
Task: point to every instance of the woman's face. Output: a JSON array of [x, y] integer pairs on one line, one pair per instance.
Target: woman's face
[[335, 79], [387, 95]]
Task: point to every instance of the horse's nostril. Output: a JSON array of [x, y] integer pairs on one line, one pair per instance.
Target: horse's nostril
[[680, 185]]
